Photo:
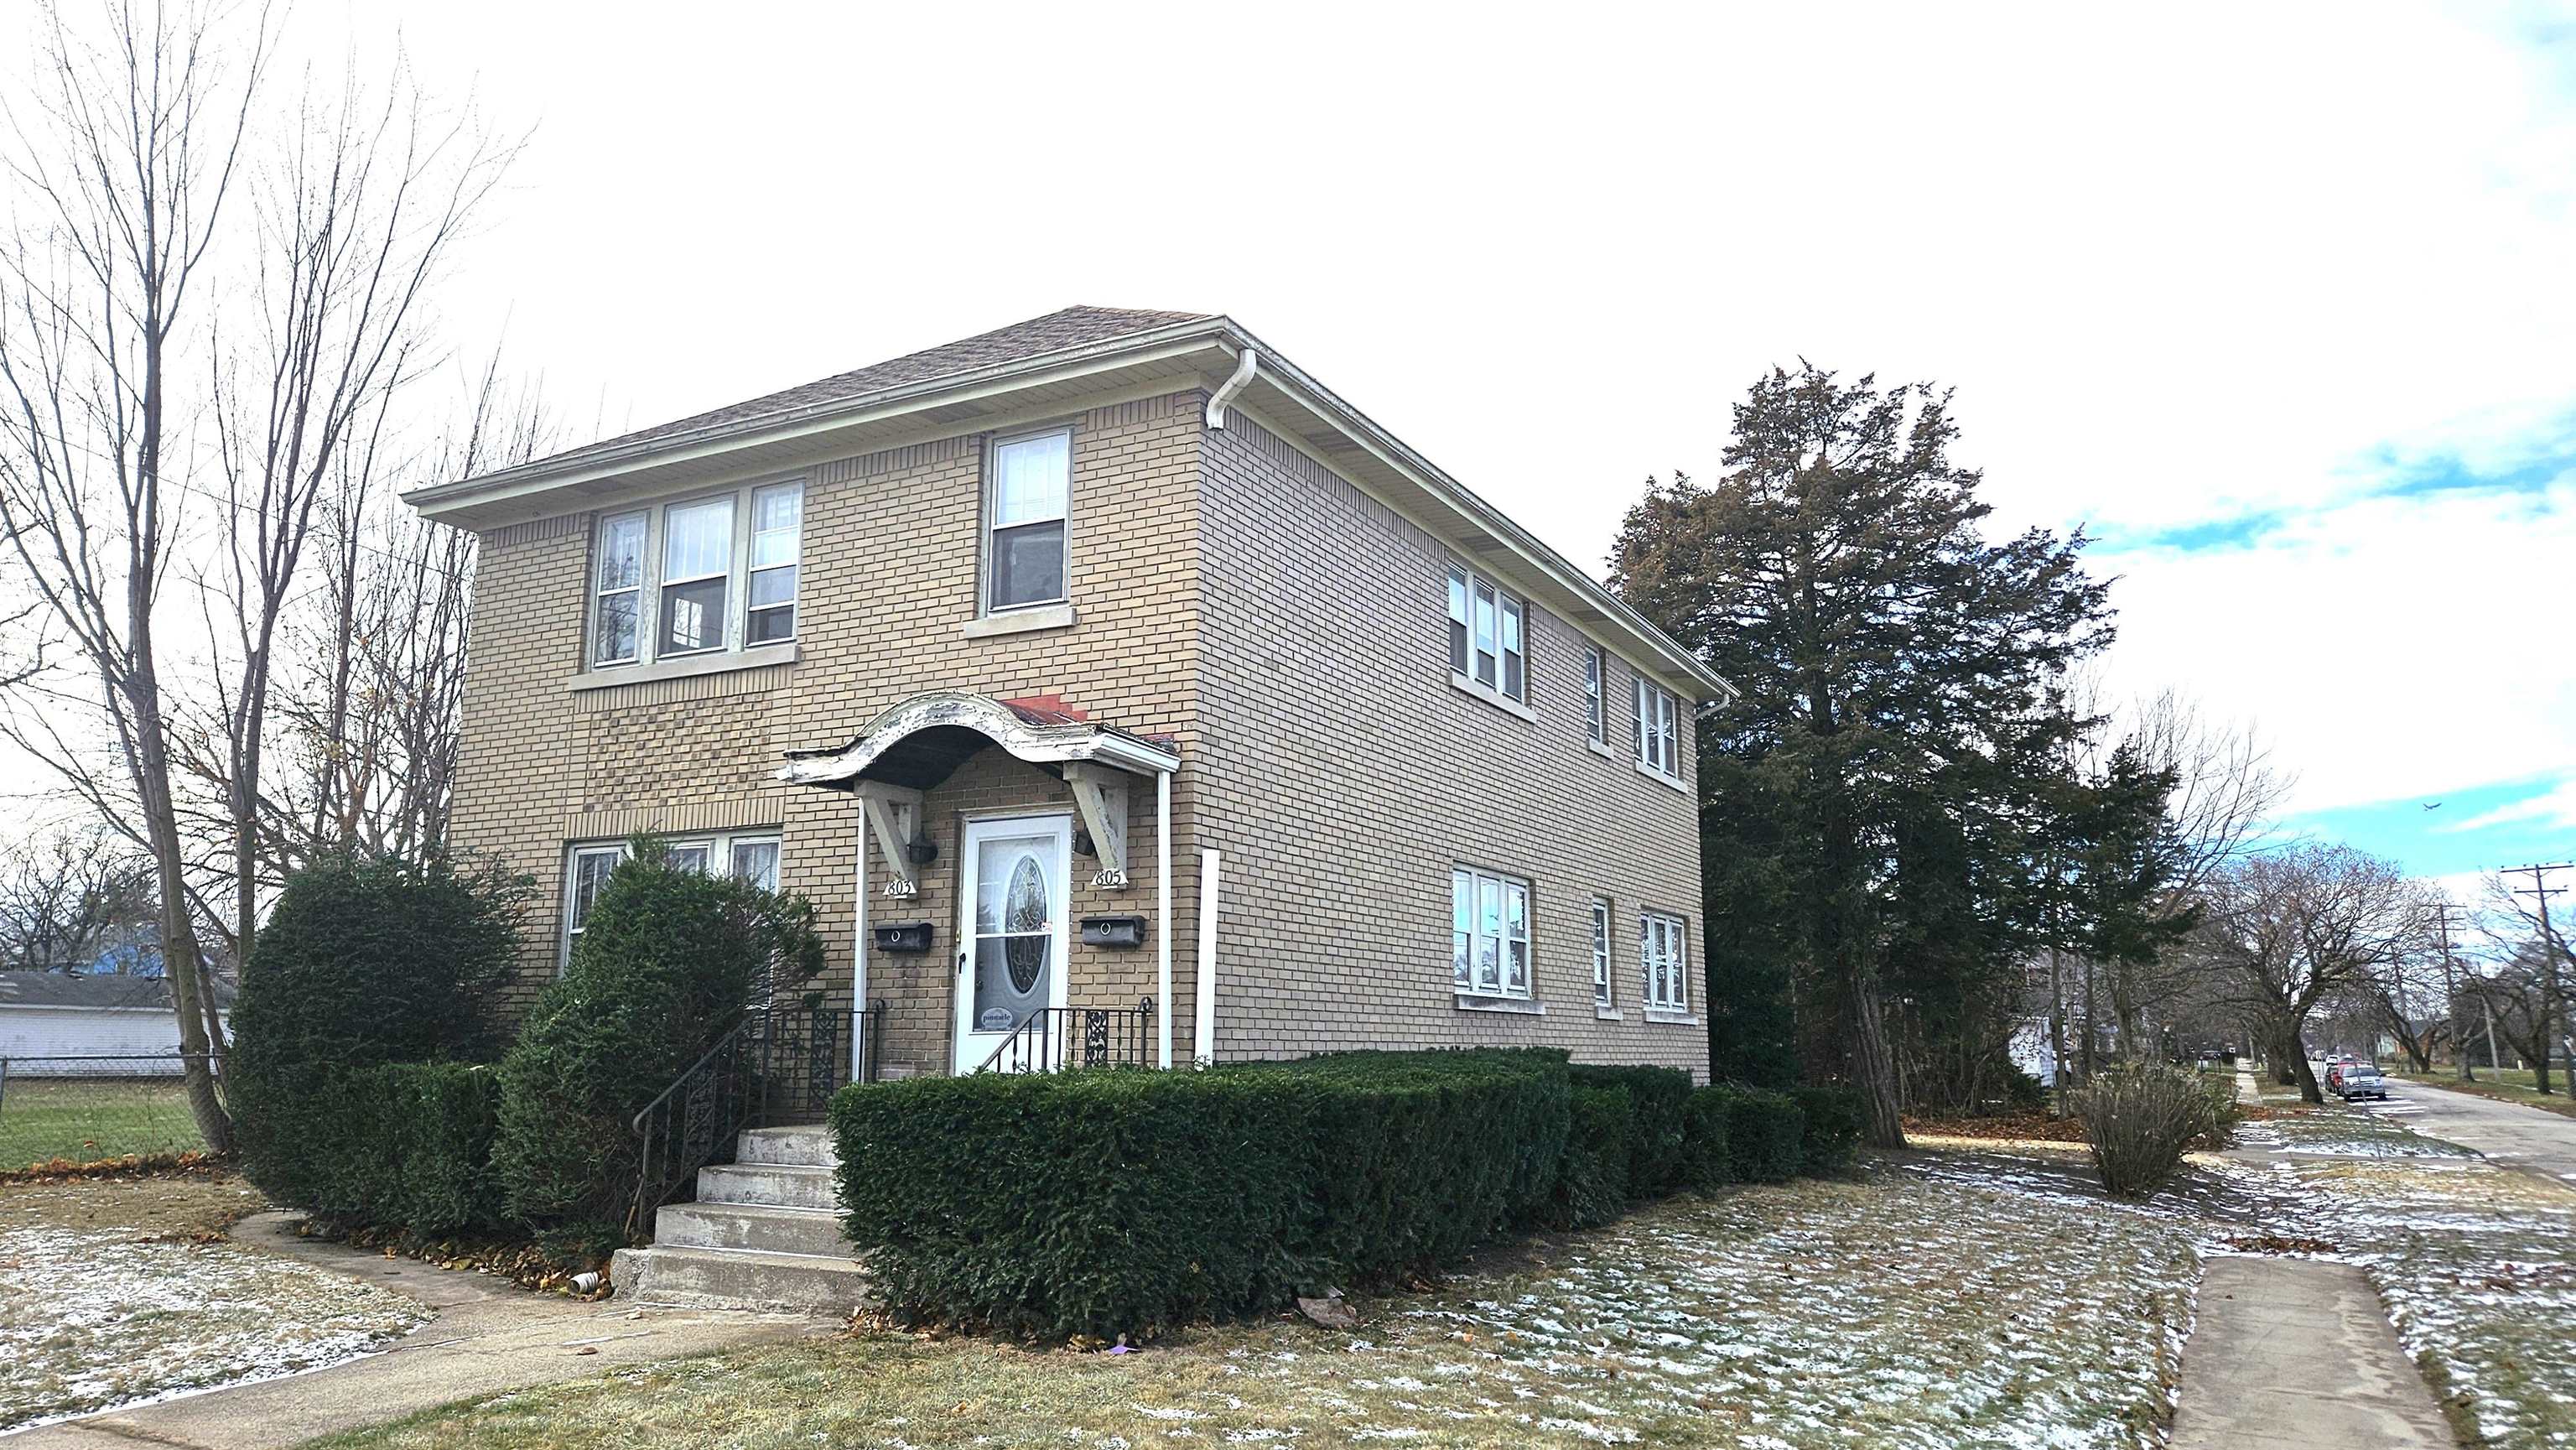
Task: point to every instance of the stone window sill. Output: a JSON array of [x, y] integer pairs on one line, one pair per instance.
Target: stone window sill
[[1677, 1019], [1471, 1002], [1597, 748], [1650, 773], [1020, 621], [1609, 1014], [718, 662], [1469, 684]]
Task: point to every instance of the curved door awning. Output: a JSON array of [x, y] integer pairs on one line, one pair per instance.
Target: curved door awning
[[915, 745]]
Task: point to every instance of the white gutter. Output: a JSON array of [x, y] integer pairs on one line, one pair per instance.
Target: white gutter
[[1249, 364]]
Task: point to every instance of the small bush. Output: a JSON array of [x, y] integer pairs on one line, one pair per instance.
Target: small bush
[[1592, 1182], [363, 962], [407, 1146], [1762, 1134], [2139, 1120], [1654, 1126], [1108, 1202], [1831, 1124], [1706, 1163], [668, 960]]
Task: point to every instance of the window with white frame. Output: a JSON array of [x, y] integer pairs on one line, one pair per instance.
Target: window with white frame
[[1489, 933], [1665, 964], [1600, 952], [1030, 490], [1488, 629], [1658, 740], [751, 855], [696, 576], [1596, 698]]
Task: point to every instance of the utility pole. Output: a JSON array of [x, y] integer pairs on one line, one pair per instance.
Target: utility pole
[[2451, 989], [2541, 890]]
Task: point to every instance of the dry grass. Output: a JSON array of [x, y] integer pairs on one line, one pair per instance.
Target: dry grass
[[1911, 1308]]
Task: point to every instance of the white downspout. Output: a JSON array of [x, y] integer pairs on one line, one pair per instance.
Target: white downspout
[[1244, 368], [1163, 906], [1203, 1042]]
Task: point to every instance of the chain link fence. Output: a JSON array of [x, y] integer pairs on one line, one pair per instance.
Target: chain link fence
[[85, 1109]]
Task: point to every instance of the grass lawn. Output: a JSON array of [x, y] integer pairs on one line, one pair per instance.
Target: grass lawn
[[86, 1119], [2506, 1085], [2342, 1129], [118, 1290], [1937, 1302]]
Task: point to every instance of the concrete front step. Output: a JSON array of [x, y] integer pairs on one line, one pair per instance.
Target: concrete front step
[[700, 1278], [797, 1147], [777, 1185], [763, 1227]]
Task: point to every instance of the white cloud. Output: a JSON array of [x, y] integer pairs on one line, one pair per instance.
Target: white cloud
[[2555, 807]]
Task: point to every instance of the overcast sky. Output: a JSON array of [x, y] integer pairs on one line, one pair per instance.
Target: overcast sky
[[2273, 299]]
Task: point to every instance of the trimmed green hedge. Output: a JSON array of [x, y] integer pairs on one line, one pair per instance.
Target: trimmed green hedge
[[1832, 1123], [401, 1145], [1592, 1186], [1763, 1132], [1653, 1127], [1099, 1203], [1707, 1163]]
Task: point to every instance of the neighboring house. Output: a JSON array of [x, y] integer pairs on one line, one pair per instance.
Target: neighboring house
[[1191, 681], [63, 1024]]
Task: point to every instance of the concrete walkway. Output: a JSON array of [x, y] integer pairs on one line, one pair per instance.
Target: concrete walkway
[[2293, 1354], [486, 1336]]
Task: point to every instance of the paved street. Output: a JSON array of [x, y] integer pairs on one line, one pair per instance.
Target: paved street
[[2506, 1132]]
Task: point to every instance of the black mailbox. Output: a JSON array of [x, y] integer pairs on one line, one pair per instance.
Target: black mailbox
[[1113, 931], [906, 937]]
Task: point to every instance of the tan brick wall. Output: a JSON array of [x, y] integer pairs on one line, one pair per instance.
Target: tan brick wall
[[888, 575], [1232, 593], [1343, 776]]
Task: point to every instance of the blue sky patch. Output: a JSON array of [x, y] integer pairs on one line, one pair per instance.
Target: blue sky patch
[[2430, 843]]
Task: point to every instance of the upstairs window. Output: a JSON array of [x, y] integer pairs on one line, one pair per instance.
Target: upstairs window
[[673, 581], [1596, 702], [697, 574], [1488, 630], [1660, 953], [1031, 486], [1658, 743], [1600, 952], [1489, 936], [777, 525]]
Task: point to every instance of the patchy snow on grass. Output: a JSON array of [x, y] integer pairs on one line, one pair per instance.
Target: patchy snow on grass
[[2344, 1131], [91, 1319]]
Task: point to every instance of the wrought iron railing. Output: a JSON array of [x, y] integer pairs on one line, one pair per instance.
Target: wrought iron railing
[[778, 1065], [1051, 1039]]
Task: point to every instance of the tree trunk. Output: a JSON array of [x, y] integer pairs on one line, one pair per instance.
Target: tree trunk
[[1872, 1065]]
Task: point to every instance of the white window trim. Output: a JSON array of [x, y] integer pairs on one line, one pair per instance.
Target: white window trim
[[648, 590], [1657, 714], [1493, 694], [1605, 957], [1673, 954], [1596, 698], [985, 608], [794, 604], [719, 846], [1501, 995]]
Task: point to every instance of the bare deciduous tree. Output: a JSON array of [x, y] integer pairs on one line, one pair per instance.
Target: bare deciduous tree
[[125, 153], [67, 896], [2289, 928]]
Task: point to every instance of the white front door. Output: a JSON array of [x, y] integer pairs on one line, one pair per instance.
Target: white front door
[[1012, 897]]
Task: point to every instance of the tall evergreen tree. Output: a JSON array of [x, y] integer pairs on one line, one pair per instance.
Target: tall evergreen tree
[[1899, 714]]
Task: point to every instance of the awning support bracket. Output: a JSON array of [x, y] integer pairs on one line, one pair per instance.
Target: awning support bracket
[[1100, 793], [894, 815]]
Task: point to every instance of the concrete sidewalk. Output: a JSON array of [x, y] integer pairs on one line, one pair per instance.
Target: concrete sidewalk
[[486, 1336], [2293, 1354]]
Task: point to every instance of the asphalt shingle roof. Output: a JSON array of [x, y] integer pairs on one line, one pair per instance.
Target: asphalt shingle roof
[[105, 992], [1071, 327]]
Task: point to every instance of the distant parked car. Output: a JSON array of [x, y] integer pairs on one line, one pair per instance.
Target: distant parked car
[[2361, 1080]]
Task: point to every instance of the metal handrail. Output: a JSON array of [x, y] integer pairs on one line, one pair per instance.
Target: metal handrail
[[773, 1065], [1045, 1040]]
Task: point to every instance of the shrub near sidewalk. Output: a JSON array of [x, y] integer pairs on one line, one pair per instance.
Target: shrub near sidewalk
[[2140, 1120], [371, 982], [1657, 1097], [667, 960], [1107, 1202]]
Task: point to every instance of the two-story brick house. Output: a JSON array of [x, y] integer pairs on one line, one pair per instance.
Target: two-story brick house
[[1102, 657]]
